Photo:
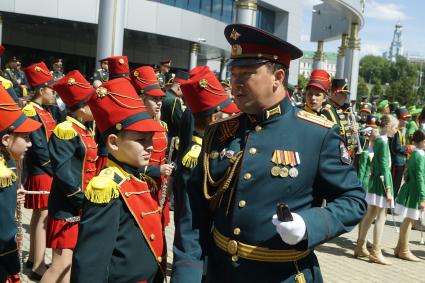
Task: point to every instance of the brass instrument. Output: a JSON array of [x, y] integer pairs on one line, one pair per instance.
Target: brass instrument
[[355, 138]]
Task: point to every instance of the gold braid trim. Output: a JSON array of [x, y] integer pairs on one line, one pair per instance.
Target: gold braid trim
[[224, 183], [151, 182]]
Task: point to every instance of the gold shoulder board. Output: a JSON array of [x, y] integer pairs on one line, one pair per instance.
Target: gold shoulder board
[[65, 131], [7, 176], [190, 160], [315, 119], [102, 189]]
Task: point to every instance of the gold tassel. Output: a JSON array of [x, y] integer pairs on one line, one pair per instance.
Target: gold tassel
[[65, 131], [29, 110], [190, 160], [7, 176], [151, 182], [6, 83], [101, 190]]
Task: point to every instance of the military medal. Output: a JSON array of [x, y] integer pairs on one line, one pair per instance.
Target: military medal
[[275, 171], [284, 172], [293, 172]]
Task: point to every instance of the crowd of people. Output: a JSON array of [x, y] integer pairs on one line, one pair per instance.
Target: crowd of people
[[101, 164]]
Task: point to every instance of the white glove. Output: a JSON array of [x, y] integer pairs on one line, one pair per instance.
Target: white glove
[[291, 232]]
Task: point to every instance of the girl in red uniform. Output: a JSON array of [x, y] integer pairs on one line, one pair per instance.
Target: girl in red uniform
[[37, 163], [73, 152]]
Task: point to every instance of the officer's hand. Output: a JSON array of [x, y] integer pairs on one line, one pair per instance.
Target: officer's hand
[[291, 232], [21, 196], [166, 169], [423, 205]]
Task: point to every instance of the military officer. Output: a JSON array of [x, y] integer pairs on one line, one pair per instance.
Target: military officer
[[57, 69], [172, 105], [164, 73], [122, 214], [101, 75], [230, 202], [17, 77], [7, 84], [317, 91]]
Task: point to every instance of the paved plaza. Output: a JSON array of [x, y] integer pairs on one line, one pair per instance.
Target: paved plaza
[[335, 257]]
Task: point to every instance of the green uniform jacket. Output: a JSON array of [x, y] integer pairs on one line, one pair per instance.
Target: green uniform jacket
[[171, 113], [413, 190], [380, 167], [9, 261], [250, 201], [411, 127]]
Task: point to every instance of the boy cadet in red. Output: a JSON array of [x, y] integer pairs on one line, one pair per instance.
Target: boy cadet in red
[[73, 153], [317, 91], [14, 130], [146, 84], [121, 218], [118, 68], [37, 162]]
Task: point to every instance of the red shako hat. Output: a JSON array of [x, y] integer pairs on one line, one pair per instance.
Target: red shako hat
[[118, 66], [320, 79], [39, 75], [145, 81]]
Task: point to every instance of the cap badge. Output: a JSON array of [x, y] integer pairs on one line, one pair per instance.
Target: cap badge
[[37, 68], [101, 92], [136, 73], [118, 126], [203, 83], [71, 81], [236, 50], [121, 61], [235, 35]]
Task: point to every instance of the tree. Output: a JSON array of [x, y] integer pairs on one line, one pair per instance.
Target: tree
[[377, 89], [362, 89], [302, 81]]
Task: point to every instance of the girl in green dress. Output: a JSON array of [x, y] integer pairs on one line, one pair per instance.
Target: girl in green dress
[[365, 159], [379, 195], [411, 199]]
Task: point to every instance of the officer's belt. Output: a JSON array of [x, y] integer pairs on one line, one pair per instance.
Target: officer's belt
[[256, 253]]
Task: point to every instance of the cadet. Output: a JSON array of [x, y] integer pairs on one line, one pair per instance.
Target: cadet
[[399, 149], [146, 84], [230, 200], [413, 124], [121, 236], [7, 84], [37, 162], [73, 152], [101, 75], [14, 133], [410, 202], [172, 105], [383, 108], [393, 106], [317, 90]]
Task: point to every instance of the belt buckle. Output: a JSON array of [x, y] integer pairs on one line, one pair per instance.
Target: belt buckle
[[232, 247]]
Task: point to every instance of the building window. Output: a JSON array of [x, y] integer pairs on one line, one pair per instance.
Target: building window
[[194, 5], [206, 7], [182, 4], [265, 19], [227, 13]]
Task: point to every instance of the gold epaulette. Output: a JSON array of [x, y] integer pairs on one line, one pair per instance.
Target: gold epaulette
[[103, 188], [315, 119], [190, 160], [164, 125], [6, 83], [65, 131], [7, 176], [29, 110], [226, 119]]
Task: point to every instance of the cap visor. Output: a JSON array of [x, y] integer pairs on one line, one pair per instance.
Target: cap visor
[[146, 125], [28, 126], [230, 109], [155, 92], [246, 61], [317, 86]]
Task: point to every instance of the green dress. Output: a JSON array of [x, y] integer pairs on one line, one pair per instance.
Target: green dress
[[380, 167], [411, 127], [365, 161], [413, 190]]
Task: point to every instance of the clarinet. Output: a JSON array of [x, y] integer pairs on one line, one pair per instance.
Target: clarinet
[[164, 186], [19, 228]]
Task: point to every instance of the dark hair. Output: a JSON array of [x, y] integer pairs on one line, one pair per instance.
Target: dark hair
[[421, 117], [273, 67], [418, 136]]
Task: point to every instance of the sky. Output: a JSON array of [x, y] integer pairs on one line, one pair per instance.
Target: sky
[[380, 17]]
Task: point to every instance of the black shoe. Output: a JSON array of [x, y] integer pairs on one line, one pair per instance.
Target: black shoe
[[35, 276], [29, 264]]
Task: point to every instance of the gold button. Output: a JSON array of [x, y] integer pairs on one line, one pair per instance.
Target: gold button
[[242, 203], [159, 259], [152, 237], [236, 231], [258, 128], [253, 150], [235, 258], [247, 176]]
